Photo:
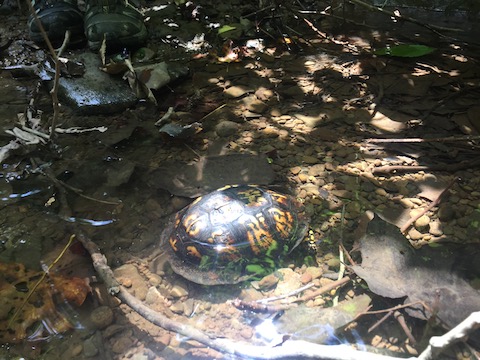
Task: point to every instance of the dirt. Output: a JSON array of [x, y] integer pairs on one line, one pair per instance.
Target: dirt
[[316, 106]]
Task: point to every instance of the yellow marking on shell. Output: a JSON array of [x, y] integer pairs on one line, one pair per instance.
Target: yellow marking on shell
[[196, 201], [193, 251], [258, 237], [211, 239], [173, 243], [193, 225], [253, 196], [227, 187], [283, 221]]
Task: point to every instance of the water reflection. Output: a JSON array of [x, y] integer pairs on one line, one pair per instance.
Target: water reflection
[[20, 195], [89, 221]]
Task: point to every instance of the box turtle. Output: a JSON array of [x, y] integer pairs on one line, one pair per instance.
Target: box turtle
[[233, 234]]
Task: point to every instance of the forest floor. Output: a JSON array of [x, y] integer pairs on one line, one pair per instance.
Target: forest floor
[[293, 100]]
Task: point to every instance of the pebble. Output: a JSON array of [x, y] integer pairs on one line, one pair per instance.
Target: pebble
[[306, 278], [178, 291], [275, 112], [164, 340], [236, 91], [270, 132], [381, 192], [177, 307], [445, 212], [101, 317], [76, 350], [264, 94], [415, 234], [464, 222], [253, 104], [188, 307], [422, 222], [435, 228], [303, 177], [89, 348], [153, 296], [122, 344], [226, 128], [295, 170], [316, 272], [406, 203], [268, 282], [353, 209], [138, 286], [246, 333], [154, 279], [317, 170], [308, 159]]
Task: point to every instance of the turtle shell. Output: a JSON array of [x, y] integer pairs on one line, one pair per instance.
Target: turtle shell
[[222, 237]]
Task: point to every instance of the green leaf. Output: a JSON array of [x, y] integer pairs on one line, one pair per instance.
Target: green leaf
[[226, 28], [405, 50]]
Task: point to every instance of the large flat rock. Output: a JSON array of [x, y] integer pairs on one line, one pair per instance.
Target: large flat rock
[[96, 92]]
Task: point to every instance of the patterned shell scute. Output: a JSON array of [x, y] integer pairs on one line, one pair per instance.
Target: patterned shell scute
[[214, 238]]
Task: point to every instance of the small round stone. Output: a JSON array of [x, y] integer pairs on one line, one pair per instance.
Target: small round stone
[[101, 317], [422, 222]]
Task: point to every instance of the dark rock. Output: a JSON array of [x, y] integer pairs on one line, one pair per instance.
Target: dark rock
[[96, 92]]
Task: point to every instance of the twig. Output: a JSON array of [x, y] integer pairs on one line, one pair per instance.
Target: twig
[[58, 182], [56, 79], [324, 289], [421, 140], [434, 203], [341, 253], [398, 307], [53, 53], [403, 324], [442, 167], [283, 296], [212, 112], [379, 322], [259, 307]]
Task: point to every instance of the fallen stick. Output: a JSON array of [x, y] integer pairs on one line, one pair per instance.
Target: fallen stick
[[434, 203], [421, 140], [442, 167]]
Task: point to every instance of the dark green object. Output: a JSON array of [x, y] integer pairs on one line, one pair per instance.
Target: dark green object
[[405, 50]]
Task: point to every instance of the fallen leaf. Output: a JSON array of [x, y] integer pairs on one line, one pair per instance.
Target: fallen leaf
[[436, 276]]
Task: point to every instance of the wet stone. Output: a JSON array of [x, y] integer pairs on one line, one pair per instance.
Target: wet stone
[[415, 234], [178, 291], [236, 91], [422, 222], [101, 317], [177, 308], [96, 92], [268, 282], [446, 213], [436, 228], [122, 344], [226, 128], [89, 348], [188, 307], [306, 278]]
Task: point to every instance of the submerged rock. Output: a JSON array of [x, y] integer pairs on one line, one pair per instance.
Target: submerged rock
[[96, 92]]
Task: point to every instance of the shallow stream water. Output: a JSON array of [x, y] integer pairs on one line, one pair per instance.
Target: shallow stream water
[[291, 107]]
